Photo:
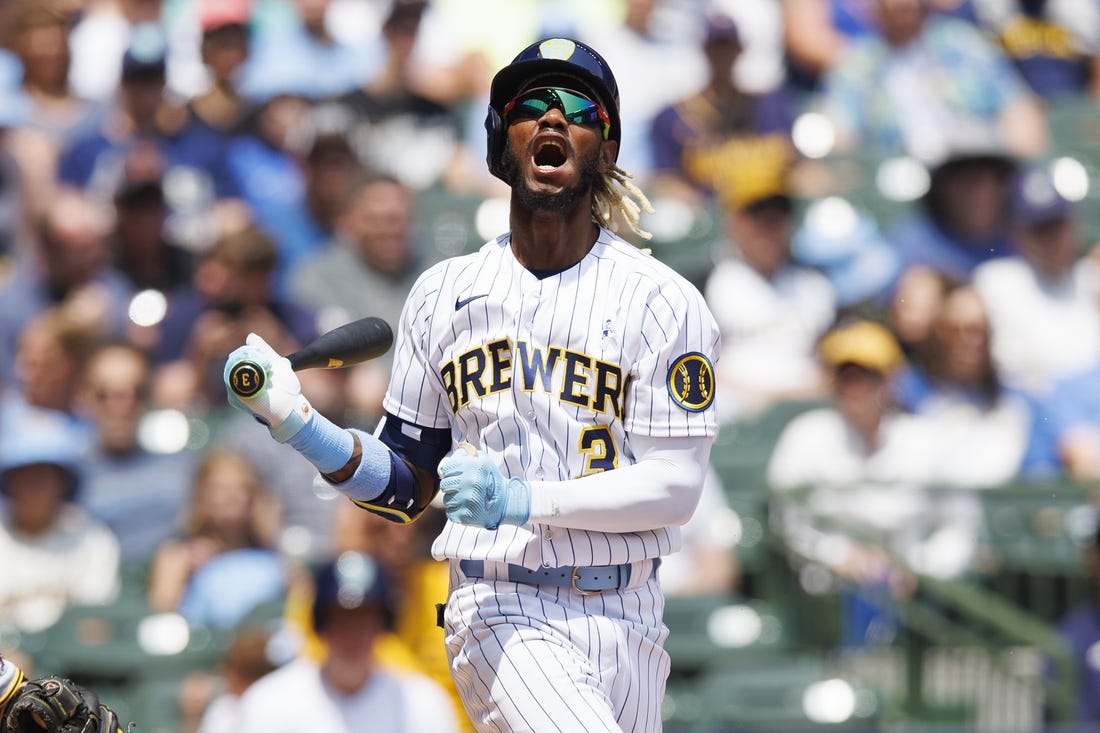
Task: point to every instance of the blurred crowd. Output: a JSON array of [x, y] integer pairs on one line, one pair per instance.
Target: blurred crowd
[[175, 174]]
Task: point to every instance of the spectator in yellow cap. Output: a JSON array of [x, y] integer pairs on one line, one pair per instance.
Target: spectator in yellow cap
[[865, 465], [770, 309], [861, 436]]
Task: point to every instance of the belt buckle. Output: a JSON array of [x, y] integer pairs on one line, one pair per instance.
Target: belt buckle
[[573, 583]]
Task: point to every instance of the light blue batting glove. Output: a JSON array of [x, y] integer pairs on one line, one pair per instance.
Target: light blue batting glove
[[476, 493], [277, 402]]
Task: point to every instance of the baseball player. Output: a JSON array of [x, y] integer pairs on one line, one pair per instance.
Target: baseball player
[[575, 375], [50, 705]]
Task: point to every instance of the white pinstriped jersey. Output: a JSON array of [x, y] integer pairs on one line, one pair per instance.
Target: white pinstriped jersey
[[551, 376]]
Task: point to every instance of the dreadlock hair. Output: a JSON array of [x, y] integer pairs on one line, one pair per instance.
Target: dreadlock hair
[[614, 191]]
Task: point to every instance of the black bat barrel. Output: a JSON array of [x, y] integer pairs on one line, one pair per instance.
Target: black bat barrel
[[358, 341]]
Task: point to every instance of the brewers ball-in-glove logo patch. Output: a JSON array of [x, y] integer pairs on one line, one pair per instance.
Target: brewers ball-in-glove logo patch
[[691, 382]]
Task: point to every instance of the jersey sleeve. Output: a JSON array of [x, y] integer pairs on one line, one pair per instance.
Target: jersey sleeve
[[415, 394], [672, 383]]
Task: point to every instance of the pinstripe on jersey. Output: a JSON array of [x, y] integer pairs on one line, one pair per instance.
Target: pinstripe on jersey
[[549, 377]]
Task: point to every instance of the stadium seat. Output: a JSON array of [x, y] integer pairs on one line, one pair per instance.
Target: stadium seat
[[705, 630], [115, 644], [684, 237], [154, 704], [1031, 548], [783, 693], [742, 449], [448, 224]]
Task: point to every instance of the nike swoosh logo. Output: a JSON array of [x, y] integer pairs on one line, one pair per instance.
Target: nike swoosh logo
[[462, 302]]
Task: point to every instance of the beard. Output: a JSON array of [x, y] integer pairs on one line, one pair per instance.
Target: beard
[[553, 203]]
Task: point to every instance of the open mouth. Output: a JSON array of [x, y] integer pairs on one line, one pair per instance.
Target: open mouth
[[549, 155]]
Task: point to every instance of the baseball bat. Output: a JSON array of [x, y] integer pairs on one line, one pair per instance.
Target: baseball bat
[[352, 343]]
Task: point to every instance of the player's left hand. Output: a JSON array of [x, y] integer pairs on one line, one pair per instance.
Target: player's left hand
[[476, 493]]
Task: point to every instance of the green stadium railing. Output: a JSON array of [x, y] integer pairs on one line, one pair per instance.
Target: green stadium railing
[[136, 659], [735, 667], [739, 457], [1031, 549], [982, 619]]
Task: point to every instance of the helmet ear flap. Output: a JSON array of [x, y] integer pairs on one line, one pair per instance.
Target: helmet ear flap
[[495, 139]]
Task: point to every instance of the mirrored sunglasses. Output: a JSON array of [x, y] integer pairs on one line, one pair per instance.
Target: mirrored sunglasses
[[577, 108]]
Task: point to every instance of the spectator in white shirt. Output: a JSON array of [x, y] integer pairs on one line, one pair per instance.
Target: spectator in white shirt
[[982, 426], [54, 554], [1042, 301], [865, 464], [348, 691], [771, 311]]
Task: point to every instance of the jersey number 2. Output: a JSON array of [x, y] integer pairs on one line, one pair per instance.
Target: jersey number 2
[[599, 449]]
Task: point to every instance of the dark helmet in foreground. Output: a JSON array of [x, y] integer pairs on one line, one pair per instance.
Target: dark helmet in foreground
[[560, 62]]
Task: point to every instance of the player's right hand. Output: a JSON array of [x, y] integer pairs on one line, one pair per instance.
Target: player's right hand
[[278, 403]]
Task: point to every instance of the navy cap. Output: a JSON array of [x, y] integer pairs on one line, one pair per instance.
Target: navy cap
[[352, 580], [1036, 199], [720, 27], [147, 54]]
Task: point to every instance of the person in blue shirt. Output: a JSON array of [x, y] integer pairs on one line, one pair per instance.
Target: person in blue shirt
[[144, 114], [920, 78], [302, 51], [278, 166], [224, 48], [69, 269], [1069, 441], [224, 560], [963, 219], [137, 489]]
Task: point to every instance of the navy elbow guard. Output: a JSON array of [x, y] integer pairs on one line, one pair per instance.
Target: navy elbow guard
[[403, 499]]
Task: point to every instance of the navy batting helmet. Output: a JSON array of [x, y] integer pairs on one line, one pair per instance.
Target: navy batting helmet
[[560, 62], [352, 580]]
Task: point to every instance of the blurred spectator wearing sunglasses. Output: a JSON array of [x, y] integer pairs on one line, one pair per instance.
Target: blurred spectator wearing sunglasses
[[135, 485], [984, 425]]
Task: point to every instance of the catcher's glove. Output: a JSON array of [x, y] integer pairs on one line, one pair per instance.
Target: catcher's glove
[[57, 705]]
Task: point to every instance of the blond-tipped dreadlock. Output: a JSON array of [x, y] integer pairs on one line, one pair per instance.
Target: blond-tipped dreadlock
[[613, 191]]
